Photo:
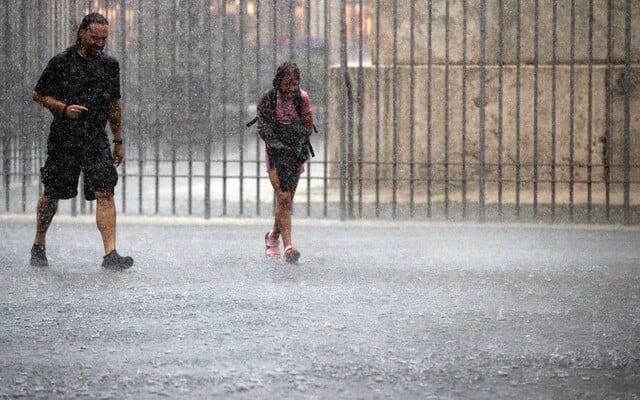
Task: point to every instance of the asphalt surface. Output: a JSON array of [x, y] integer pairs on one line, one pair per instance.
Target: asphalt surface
[[373, 310]]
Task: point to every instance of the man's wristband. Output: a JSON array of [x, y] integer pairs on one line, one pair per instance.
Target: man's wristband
[[64, 110], [117, 141]]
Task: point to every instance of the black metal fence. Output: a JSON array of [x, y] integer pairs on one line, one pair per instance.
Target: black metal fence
[[426, 109]]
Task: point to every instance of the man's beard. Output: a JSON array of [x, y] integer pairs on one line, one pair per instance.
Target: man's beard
[[93, 51]]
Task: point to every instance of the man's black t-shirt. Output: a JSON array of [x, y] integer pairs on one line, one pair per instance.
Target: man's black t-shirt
[[91, 83]]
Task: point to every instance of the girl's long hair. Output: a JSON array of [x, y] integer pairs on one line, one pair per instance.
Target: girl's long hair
[[285, 69]]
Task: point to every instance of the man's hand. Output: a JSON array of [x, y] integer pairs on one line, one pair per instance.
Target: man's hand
[[74, 111], [118, 154]]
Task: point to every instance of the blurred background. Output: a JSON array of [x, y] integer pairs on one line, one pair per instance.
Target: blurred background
[[450, 110]]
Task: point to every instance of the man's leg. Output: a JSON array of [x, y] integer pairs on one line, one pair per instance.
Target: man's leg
[[106, 220], [46, 209]]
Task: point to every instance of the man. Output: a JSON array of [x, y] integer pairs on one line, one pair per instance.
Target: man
[[81, 88]]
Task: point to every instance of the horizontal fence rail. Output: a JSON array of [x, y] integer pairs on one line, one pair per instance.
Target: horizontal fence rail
[[493, 110]]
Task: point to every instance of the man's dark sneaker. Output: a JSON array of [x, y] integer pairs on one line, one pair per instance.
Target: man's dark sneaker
[[115, 261], [39, 256]]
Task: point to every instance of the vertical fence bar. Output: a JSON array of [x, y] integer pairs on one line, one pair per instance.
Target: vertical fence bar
[[360, 95], [190, 114], [173, 105], [554, 60], [609, 118], [42, 139], [224, 108], [158, 134], [412, 105], [39, 48], [500, 107], [325, 122], [292, 30], [394, 106], [536, 18], [275, 51], [241, 111], [139, 134], [517, 144], [124, 65], [22, 138], [74, 201], [350, 127], [307, 14], [258, 86], [274, 32], [40, 127], [22, 114], [73, 21], [377, 133], [429, 104], [481, 157], [343, 104], [6, 137], [446, 111], [627, 112], [463, 126], [209, 134], [590, 119], [572, 87]]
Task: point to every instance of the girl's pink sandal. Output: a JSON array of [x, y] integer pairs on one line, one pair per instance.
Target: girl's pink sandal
[[272, 246], [291, 254]]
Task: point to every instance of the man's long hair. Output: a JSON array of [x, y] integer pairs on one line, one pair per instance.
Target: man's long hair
[[93, 18]]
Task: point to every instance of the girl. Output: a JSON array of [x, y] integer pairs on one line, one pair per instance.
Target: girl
[[284, 123]]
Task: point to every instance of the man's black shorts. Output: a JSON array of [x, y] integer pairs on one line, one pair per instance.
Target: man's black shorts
[[67, 158]]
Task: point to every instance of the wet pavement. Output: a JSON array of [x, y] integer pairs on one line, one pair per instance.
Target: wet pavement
[[373, 310]]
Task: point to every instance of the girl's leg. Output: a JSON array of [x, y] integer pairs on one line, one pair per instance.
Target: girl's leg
[[275, 183], [284, 202]]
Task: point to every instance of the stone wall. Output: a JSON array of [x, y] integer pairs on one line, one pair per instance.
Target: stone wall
[[509, 137]]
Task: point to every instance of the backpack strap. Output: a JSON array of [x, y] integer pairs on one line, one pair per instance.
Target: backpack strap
[[273, 97], [297, 103], [253, 121]]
